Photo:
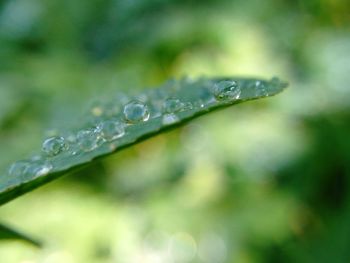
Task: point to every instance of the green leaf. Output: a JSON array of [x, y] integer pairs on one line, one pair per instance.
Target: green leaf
[[6, 233], [126, 120]]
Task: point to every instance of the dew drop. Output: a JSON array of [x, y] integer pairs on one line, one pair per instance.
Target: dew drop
[[173, 105], [26, 170], [227, 90], [260, 89], [110, 130], [18, 168], [88, 140], [39, 168], [169, 119], [72, 141], [54, 145], [135, 112]]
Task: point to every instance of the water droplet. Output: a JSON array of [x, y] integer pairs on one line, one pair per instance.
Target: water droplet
[[260, 88], [169, 119], [88, 140], [173, 105], [136, 111], [39, 168], [54, 145], [18, 168], [26, 170], [110, 130], [227, 90]]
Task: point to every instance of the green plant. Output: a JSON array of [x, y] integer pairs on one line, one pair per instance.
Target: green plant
[[120, 124], [6, 233]]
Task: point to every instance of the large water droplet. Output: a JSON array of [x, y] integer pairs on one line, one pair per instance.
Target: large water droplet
[[173, 105], [54, 145], [136, 111], [88, 140], [110, 130], [227, 90], [18, 168]]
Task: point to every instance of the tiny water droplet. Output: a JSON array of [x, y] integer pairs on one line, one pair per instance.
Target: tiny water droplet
[[110, 130], [169, 119], [173, 105], [136, 111], [72, 141], [88, 140], [260, 88], [54, 145], [18, 168], [227, 90]]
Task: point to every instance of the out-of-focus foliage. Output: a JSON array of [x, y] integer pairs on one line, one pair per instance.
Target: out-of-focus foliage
[[7, 233], [261, 182]]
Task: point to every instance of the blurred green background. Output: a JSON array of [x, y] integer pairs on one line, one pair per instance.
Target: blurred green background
[[265, 181]]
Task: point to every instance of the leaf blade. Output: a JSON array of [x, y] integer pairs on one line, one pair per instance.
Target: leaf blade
[[7, 233], [197, 98]]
